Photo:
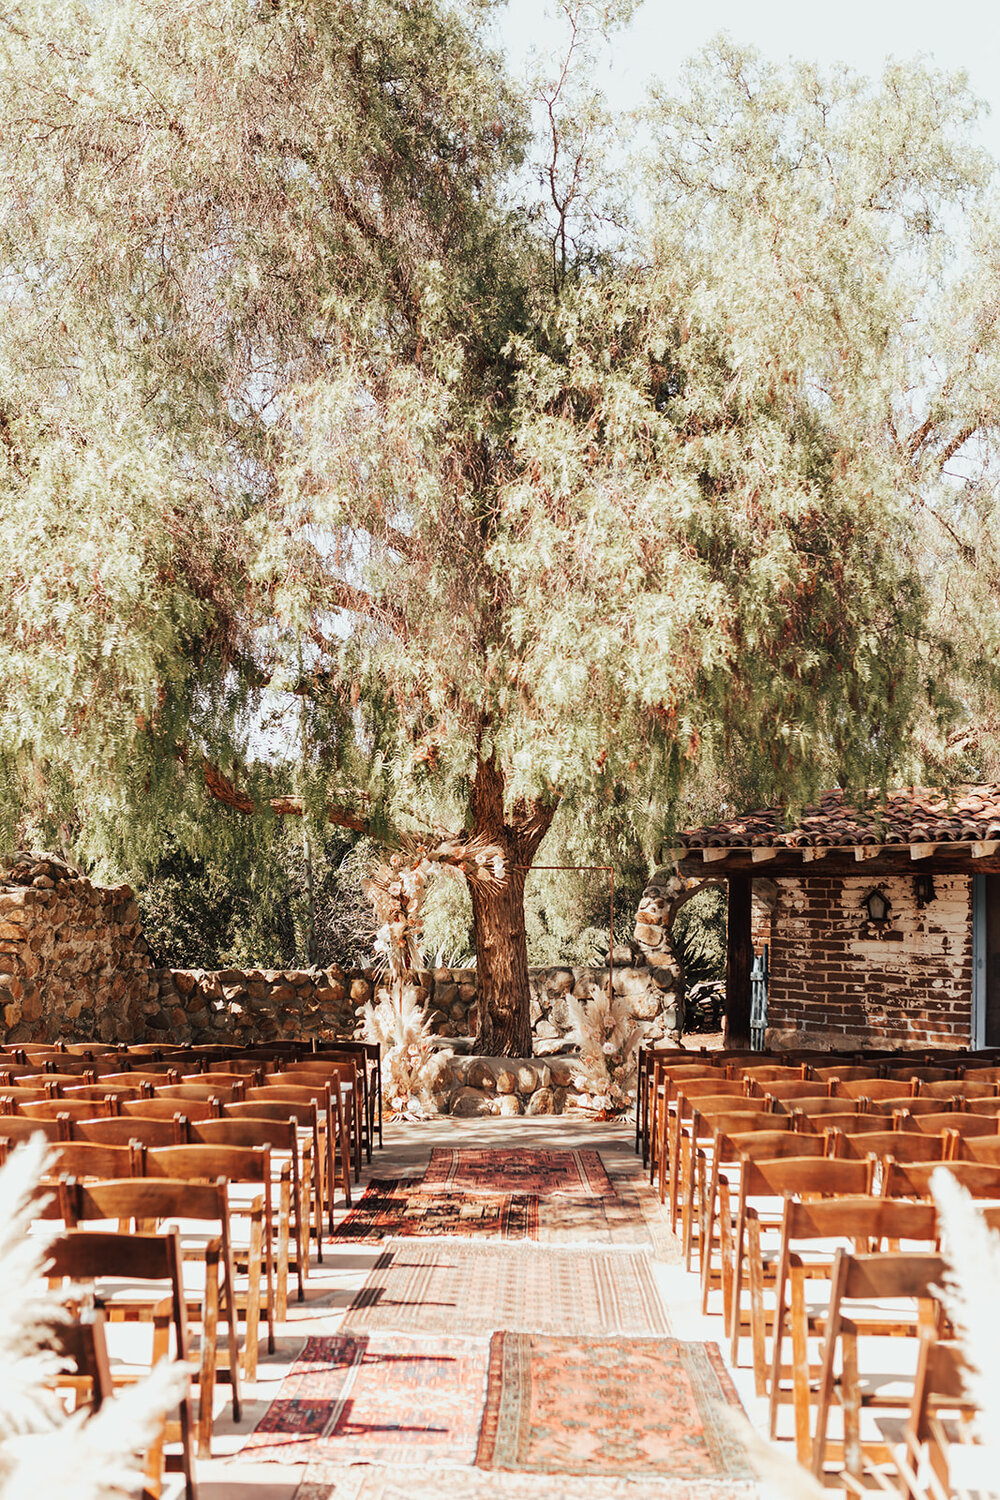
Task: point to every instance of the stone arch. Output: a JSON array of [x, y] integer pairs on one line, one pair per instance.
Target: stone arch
[[665, 893]]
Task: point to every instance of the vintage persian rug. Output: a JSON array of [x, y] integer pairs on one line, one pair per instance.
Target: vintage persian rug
[[438, 1286], [624, 1407], [377, 1398], [325, 1481], [543, 1173], [400, 1206]]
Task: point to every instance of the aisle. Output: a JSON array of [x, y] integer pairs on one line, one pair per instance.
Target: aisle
[[502, 1314]]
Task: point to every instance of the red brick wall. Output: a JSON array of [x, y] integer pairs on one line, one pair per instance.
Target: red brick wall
[[836, 979]]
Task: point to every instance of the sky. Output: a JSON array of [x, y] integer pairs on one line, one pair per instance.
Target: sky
[[959, 34]]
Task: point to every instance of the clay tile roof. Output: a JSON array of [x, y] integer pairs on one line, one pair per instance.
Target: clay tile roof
[[910, 815]]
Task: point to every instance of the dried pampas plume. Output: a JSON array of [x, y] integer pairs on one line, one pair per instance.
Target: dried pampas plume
[[604, 1029]]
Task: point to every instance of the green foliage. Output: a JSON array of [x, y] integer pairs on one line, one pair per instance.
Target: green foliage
[[198, 913], [331, 466], [699, 933]]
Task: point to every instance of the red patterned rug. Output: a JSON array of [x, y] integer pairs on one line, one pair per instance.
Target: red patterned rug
[[615, 1407], [377, 1398], [542, 1173], [399, 1206]]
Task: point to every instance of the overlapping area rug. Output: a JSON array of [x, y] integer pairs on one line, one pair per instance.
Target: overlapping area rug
[[543, 1173], [608, 1407], [591, 1409], [377, 1398], [401, 1206], [439, 1286]]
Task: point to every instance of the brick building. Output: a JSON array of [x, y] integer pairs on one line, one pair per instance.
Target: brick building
[[884, 920]]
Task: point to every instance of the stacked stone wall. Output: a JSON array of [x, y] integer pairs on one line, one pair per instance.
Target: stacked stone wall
[[73, 962]]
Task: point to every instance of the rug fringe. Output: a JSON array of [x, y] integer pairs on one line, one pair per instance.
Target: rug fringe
[[490, 1241]]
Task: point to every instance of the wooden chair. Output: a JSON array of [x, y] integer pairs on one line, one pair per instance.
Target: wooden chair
[[711, 1093], [773, 1181], [342, 1081], [909, 1279], [240, 1167], [150, 1202], [697, 1144], [70, 1109], [901, 1145], [147, 1270], [89, 1161], [169, 1109], [957, 1121], [957, 1088], [913, 1180], [874, 1089], [371, 1056], [203, 1093], [784, 1090], [280, 1137], [828, 1227], [732, 1144], [303, 1116], [82, 1341], [940, 1387], [120, 1130], [330, 1124], [17, 1128], [666, 1079]]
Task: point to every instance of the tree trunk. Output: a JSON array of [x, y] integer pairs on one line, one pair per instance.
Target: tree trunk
[[504, 999], [504, 1028]]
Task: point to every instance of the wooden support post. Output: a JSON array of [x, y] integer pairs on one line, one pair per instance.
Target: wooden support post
[[739, 962]]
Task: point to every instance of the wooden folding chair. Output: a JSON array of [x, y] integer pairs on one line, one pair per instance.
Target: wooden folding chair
[[909, 1279], [942, 1418], [860, 1223], [697, 1143], [240, 1167], [169, 1109], [120, 1130], [281, 1139], [149, 1203], [330, 1122], [303, 1116], [136, 1278], [710, 1093], [342, 1080], [764, 1185], [768, 1141]]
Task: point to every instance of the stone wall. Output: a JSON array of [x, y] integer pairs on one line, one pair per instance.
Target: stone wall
[[74, 966], [837, 979], [73, 962], [264, 1004]]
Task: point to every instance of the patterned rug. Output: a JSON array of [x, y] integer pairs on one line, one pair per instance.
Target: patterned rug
[[380, 1398], [438, 1287], [610, 1407], [325, 1481], [543, 1173], [401, 1206]]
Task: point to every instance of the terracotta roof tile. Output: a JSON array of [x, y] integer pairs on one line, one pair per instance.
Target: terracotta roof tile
[[910, 815]]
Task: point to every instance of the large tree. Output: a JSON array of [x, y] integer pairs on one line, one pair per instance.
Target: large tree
[[340, 481]]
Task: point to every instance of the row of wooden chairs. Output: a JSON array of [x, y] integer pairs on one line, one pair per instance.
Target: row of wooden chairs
[[785, 1211], [189, 1189]]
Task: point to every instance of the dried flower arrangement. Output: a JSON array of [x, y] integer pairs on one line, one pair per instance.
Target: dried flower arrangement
[[606, 1032], [43, 1449], [395, 886]]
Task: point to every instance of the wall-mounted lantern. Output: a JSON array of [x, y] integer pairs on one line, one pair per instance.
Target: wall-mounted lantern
[[876, 904], [923, 888]]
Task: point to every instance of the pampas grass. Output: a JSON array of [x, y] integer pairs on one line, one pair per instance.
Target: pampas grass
[[410, 1063], [43, 1451], [605, 1031], [971, 1296]]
